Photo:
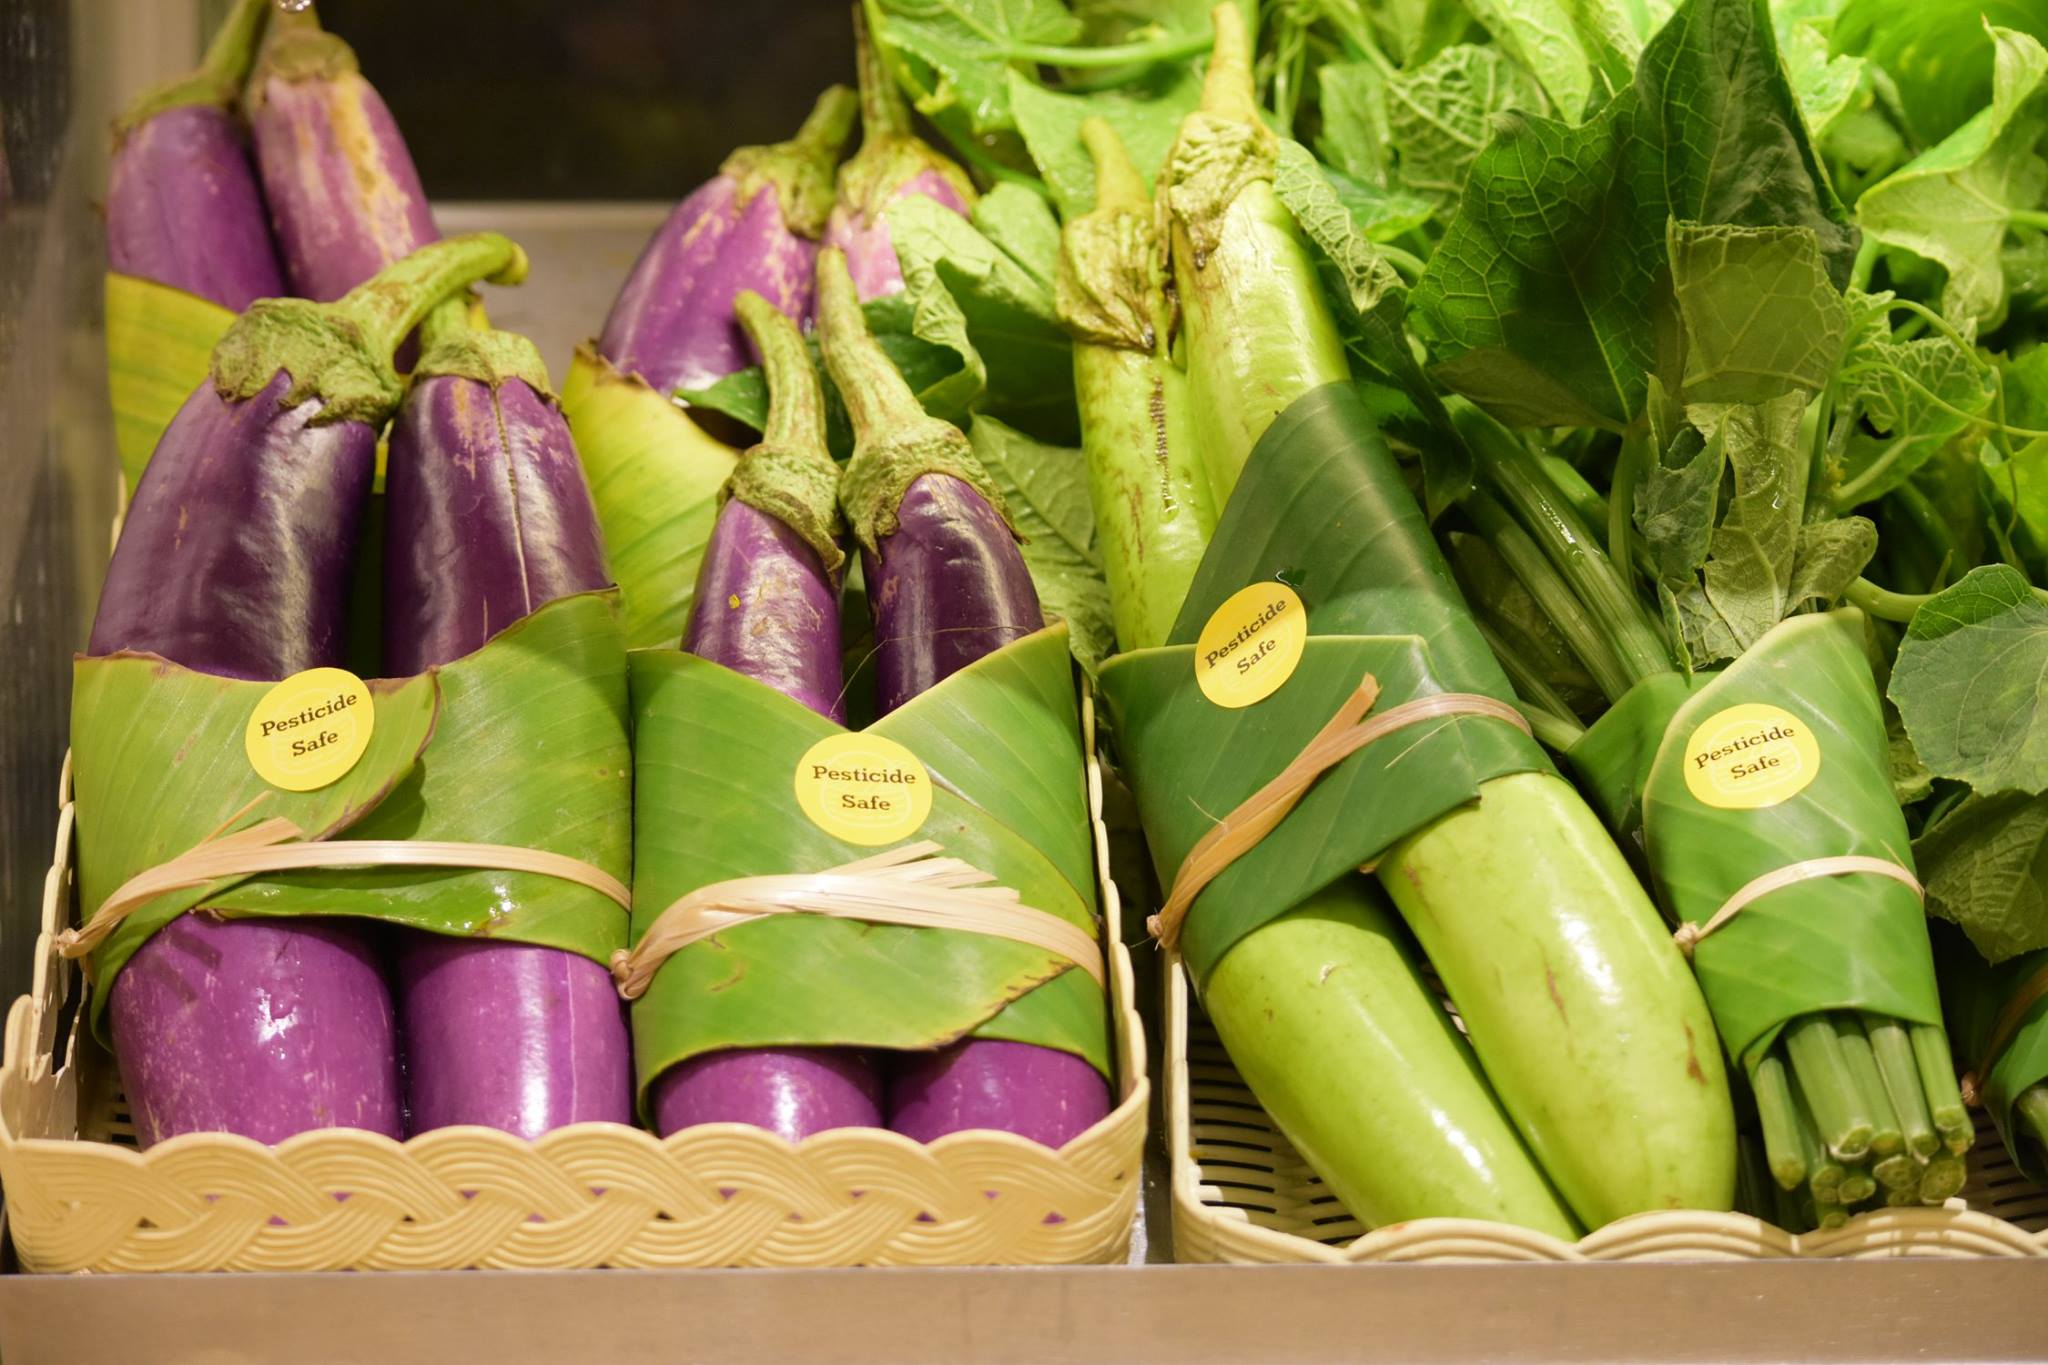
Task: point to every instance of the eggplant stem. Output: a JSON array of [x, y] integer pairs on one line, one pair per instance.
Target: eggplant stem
[[391, 303], [825, 129], [883, 114], [1228, 90], [876, 397], [796, 401], [233, 49], [1118, 186]]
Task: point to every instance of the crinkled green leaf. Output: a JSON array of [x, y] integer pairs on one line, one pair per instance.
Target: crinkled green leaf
[[1750, 564], [1312, 199], [969, 46], [1543, 36], [1985, 866], [1918, 396], [1825, 84], [1760, 316], [1046, 490], [1830, 556], [1971, 682], [1935, 52], [1439, 116], [1146, 115], [1675, 505], [1022, 226], [1382, 215], [1955, 203], [1354, 131]]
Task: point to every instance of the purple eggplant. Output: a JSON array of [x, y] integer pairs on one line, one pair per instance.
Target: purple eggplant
[[767, 605], [341, 185], [672, 323], [183, 205], [892, 163], [947, 586], [236, 559], [487, 518]]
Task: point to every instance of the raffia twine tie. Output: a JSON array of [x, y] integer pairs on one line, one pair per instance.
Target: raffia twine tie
[[2010, 1017], [1688, 936], [909, 886], [278, 845], [1344, 734]]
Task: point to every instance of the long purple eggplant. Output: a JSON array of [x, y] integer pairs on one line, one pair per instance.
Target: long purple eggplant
[[753, 226], [343, 192], [236, 559], [893, 163], [947, 586], [183, 205], [487, 519], [767, 605]]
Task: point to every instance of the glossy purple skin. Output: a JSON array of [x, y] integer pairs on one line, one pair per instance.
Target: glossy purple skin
[[1039, 1093], [343, 193], [765, 608], [870, 258], [672, 323], [792, 1092], [235, 560], [262, 1027], [488, 518], [510, 1036], [184, 209], [237, 549], [951, 587]]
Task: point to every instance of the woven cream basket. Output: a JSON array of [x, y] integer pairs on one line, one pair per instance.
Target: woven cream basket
[[79, 1195], [1242, 1194]]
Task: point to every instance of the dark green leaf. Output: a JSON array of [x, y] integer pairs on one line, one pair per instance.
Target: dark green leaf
[[1046, 490], [1676, 502], [1935, 52], [1985, 866], [1749, 569], [1146, 115], [1971, 682], [1438, 117], [1760, 316], [968, 46]]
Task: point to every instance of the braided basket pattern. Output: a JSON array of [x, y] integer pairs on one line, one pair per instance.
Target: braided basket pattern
[[81, 1197], [1242, 1194]]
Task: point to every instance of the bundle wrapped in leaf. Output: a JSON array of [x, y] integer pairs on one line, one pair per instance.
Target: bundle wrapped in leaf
[[188, 236], [1322, 600], [241, 837], [968, 940], [1998, 1018]]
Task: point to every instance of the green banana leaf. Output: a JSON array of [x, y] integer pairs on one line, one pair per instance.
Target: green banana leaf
[[1612, 759], [160, 344], [1974, 993], [716, 753], [533, 749], [1855, 942], [158, 765], [655, 478], [1322, 506]]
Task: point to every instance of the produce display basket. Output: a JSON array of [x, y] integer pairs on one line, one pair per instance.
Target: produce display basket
[[81, 1197], [1242, 1194]]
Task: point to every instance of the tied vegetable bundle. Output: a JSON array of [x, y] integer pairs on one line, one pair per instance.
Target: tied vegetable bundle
[[234, 932]]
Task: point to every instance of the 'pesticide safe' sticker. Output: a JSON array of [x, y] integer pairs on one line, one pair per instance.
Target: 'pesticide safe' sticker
[[864, 789], [310, 729], [1251, 645], [1750, 756]]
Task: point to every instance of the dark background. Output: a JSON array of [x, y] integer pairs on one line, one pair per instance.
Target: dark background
[[591, 99]]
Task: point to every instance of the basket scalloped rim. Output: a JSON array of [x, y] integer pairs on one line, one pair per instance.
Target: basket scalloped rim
[[606, 1194]]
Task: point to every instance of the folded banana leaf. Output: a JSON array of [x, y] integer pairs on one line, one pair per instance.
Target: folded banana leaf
[[1975, 994], [1845, 942], [159, 344], [655, 477], [523, 742], [1321, 506], [717, 755]]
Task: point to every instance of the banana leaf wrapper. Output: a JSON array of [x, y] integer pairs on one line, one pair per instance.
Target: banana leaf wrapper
[[655, 477], [160, 344], [1848, 942], [717, 755], [1322, 506], [1974, 993], [523, 742]]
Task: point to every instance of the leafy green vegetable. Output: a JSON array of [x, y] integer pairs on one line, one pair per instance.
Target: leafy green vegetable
[[1971, 683], [1955, 203], [966, 47], [1760, 316], [1544, 37], [1421, 129], [1046, 491], [1826, 83], [1146, 116], [1935, 53], [1985, 866], [1918, 396]]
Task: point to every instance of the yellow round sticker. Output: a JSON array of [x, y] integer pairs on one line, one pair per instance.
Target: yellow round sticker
[[310, 729], [864, 789], [1251, 645], [1749, 757]]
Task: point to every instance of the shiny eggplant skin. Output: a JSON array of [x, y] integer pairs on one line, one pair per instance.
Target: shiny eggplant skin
[[792, 1092], [766, 608], [184, 209], [487, 519], [1039, 1093]]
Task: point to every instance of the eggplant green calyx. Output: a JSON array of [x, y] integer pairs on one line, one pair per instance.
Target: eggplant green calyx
[[455, 342], [890, 152], [298, 49], [895, 441], [1110, 283], [790, 475], [1223, 145], [218, 78], [799, 170], [340, 353]]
